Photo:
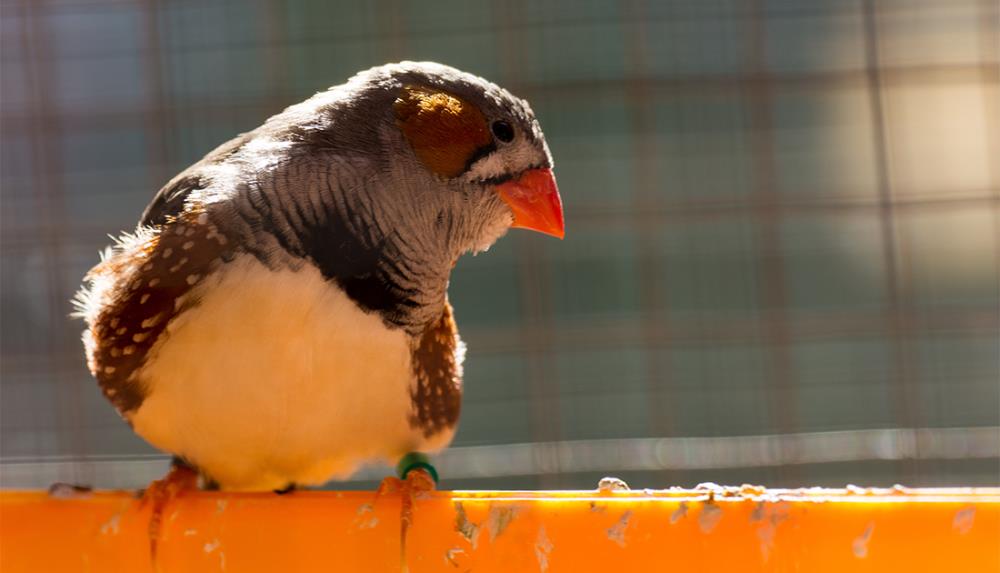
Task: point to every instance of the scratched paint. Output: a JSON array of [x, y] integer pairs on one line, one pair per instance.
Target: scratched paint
[[679, 513], [964, 520], [616, 532], [709, 517], [451, 556], [860, 544], [597, 507], [211, 547], [499, 517], [767, 516], [543, 547], [364, 517], [468, 529], [111, 525], [765, 535]]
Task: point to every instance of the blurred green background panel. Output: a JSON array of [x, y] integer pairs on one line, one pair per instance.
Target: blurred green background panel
[[710, 267], [597, 47], [834, 263], [721, 389], [825, 144], [602, 394], [498, 408], [595, 155], [825, 40], [692, 40], [704, 148], [487, 293], [783, 223], [844, 384], [958, 380], [594, 276], [952, 257]]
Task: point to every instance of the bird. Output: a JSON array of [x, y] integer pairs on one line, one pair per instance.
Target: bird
[[279, 316]]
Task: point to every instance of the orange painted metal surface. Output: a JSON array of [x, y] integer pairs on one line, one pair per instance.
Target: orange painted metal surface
[[708, 529]]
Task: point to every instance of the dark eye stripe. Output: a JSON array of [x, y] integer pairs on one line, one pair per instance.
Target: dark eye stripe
[[502, 131]]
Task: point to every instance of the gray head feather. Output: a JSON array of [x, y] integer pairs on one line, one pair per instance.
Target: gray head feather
[[334, 181]]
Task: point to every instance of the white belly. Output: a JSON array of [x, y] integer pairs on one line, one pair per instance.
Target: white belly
[[277, 377]]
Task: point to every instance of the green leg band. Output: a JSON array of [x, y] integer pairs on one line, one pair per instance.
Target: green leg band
[[414, 460]]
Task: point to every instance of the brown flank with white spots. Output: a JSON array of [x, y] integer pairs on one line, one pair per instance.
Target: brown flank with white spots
[[149, 282], [437, 394]]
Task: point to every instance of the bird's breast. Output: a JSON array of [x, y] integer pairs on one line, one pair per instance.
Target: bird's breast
[[277, 376]]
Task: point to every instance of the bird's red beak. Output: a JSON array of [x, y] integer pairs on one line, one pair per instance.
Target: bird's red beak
[[534, 199]]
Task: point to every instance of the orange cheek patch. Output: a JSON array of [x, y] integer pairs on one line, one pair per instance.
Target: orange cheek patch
[[444, 131]]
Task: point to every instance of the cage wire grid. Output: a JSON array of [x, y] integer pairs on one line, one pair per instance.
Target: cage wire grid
[[783, 222]]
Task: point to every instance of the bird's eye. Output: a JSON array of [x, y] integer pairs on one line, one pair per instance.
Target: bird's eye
[[503, 131]]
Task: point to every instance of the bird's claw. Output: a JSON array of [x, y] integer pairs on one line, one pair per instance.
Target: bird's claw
[[389, 485], [418, 482], [159, 493]]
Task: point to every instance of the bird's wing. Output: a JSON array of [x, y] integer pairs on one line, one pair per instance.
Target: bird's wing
[[143, 283], [169, 200]]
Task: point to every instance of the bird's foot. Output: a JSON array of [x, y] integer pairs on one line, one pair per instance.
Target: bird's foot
[[389, 485], [180, 478], [286, 490], [417, 484], [420, 481], [417, 478]]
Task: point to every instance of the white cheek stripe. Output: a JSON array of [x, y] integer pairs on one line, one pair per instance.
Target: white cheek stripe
[[508, 157]]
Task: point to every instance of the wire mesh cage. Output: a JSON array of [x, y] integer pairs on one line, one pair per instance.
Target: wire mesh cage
[[783, 226]]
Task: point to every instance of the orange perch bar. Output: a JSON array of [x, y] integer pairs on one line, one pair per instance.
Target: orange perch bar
[[705, 529]]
